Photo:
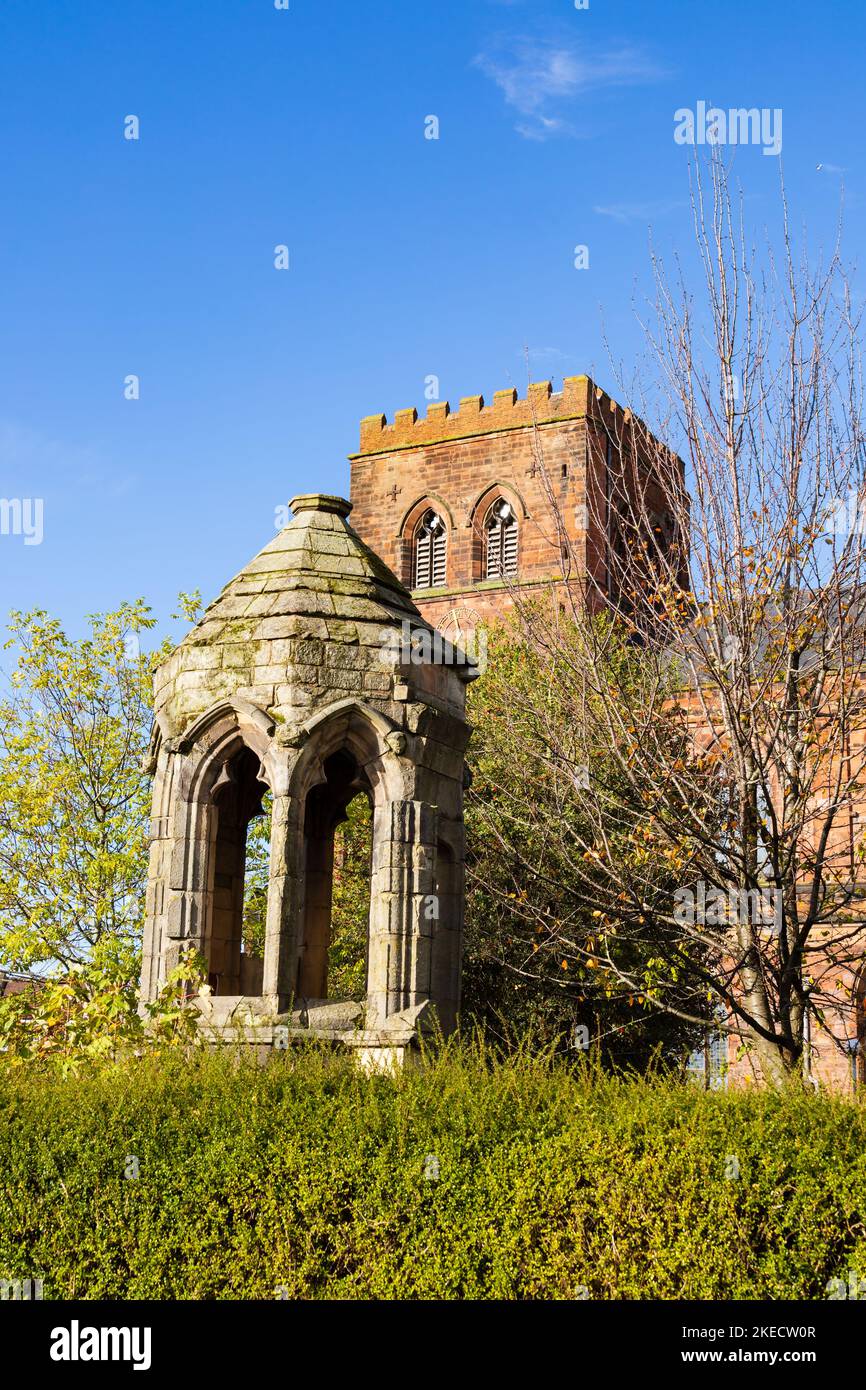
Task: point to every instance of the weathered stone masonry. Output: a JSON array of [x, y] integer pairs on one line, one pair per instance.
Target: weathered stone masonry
[[299, 678]]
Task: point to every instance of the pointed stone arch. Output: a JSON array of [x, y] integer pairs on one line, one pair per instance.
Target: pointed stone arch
[[489, 495], [494, 494], [344, 750], [208, 784], [407, 535], [350, 725]]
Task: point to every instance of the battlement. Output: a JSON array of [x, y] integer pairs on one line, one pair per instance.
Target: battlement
[[542, 406]]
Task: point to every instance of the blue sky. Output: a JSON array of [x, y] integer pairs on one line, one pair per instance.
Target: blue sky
[[409, 257]]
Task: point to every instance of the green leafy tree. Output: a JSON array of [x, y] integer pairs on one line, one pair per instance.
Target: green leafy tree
[[350, 904], [90, 1013], [545, 805], [256, 878], [74, 804]]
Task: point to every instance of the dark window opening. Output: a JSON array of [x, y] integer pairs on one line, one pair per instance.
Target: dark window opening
[[241, 851], [444, 909], [337, 848], [663, 534]]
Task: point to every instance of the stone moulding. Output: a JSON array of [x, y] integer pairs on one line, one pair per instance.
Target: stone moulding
[[243, 711]]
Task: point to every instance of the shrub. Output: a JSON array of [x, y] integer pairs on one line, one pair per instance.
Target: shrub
[[471, 1177], [91, 1012]]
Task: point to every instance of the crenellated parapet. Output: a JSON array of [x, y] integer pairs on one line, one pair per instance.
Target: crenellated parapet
[[507, 411]]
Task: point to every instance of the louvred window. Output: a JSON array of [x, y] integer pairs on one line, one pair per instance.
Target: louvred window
[[430, 547], [501, 542]]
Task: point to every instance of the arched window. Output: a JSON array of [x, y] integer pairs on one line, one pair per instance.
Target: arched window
[[501, 557], [333, 959], [429, 559], [241, 870]]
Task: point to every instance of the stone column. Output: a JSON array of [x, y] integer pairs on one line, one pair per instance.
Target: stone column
[[284, 906], [179, 887], [401, 925], [189, 886], [159, 860]]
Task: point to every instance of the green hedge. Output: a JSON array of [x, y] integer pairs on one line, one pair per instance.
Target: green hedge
[[305, 1179]]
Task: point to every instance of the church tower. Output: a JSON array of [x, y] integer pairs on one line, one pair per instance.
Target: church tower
[[475, 507]]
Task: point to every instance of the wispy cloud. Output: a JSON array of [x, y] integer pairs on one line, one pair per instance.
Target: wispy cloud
[[836, 169], [538, 78], [545, 354], [639, 212], [542, 127]]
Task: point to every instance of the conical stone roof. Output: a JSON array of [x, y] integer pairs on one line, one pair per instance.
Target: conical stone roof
[[316, 565], [305, 618]]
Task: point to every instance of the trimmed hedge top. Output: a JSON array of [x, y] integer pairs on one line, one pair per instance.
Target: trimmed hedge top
[[211, 1177]]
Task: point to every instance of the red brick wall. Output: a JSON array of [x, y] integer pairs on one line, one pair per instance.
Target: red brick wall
[[530, 451], [545, 454]]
